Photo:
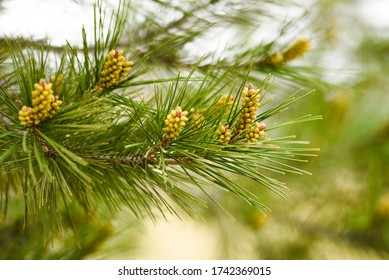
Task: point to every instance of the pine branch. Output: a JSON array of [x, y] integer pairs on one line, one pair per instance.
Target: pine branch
[[93, 132], [138, 160]]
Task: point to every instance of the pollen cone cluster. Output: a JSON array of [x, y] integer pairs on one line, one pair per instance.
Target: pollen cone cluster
[[298, 49], [45, 105], [223, 133], [224, 100], [250, 104], [115, 68], [174, 122], [256, 131]]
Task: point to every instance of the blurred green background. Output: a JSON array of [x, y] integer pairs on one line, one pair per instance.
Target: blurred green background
[[340, 212]]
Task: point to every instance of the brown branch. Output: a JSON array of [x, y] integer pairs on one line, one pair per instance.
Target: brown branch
[[139, 160]]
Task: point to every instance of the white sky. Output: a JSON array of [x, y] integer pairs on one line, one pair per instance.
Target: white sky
[[59, 20], [375, 12], [62, 20]]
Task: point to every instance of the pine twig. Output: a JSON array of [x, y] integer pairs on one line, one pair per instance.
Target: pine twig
[[139, 160]]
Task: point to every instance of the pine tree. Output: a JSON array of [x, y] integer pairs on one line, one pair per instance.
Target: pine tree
[[130, 121]]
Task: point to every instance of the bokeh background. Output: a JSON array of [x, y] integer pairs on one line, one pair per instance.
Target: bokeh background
[[341, 211]]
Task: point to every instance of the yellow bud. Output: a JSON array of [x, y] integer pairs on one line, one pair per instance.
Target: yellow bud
[[38, 87], [223, 134]]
